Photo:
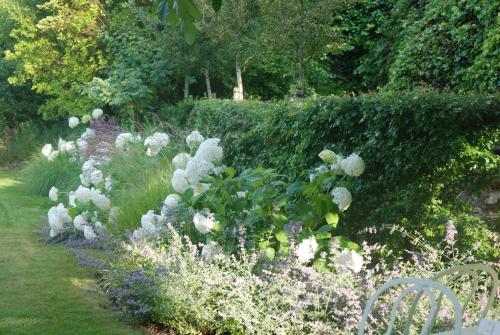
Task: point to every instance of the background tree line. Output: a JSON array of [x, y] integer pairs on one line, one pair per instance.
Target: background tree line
[[64, 57]]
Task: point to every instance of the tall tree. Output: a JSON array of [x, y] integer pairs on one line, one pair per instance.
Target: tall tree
[[303, 29]]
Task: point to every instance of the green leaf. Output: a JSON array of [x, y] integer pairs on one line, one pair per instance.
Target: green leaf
[[216, 5], [345, 242], [282, 237], [332, 219], [270, 253]]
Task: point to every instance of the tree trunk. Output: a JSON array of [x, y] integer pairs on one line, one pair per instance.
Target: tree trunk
[[207, 80], [186, 87], [239, 78], [300, 53]]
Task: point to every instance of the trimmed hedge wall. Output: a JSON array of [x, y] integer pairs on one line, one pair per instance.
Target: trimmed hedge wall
[[421, 148]]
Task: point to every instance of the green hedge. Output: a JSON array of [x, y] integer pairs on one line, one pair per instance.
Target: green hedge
[[421, 148]]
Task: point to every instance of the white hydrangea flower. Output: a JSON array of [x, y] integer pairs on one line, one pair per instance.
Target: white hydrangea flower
[[210, 250], [88, 167], [180, 161], [61, 145], [99, 227], [342, 197], [54, 194], [140, 234], [73, 122], [80, 222], [336, 166], [83, 194], [155, 143], [96, 177], [58, 216], [53, 155], [70, 147], [202, 223], [350, 259], [84, 180], [196, 169], [123, 140], [172, 200], [100, 200], [179, 181], [353, 165], [88, 233], [108, 183], [86, 119], [82, 144], [306, 249], [71, 199], [194, 139], [97, 113], [47, 150], [328, 156], [88, 134], [210, 151]]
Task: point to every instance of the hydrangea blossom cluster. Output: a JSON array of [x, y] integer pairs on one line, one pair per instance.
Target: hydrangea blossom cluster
[[124, 140], [155, 143]]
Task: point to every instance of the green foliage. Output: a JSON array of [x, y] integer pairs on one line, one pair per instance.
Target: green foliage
[[59, 53], [41, 175], [421, 148]]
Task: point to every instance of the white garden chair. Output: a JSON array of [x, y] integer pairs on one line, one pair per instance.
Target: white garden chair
[[417, 287], [473, 273]]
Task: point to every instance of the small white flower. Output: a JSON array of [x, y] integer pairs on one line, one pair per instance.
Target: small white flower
[[82, 144], [194, 139], [53, 194], [47, 150], [241, 194], [88, 134], [80, 222], [210, 151], [328, 156], [210, 250], [96, 177], [155, 143], [108, 184], [172, 200], [342, 197], [97, 113], [84, 180], [202, 223], [73, 122], [99, 227], [83, 194], [123, 140], [61, 145], [179, 181], [180, 161], [70, 147], [306, 249], [196, 169], [58, 216], [350, 259], [140, 234], [71, 199], [53, 155], [88, 232], [100, 200], [353, 165]]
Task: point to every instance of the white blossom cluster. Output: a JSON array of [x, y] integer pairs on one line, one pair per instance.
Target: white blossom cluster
[[124, 140], [150, 225], [155, 143]]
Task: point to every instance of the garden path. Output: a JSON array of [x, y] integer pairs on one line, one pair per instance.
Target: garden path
[[43, 291]]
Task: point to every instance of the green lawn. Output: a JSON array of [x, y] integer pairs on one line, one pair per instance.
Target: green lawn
[[42, 288]]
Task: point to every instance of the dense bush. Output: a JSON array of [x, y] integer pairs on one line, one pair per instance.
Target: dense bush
[[421, 148]]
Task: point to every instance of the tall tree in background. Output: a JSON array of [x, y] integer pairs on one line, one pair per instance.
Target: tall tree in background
[[235, 26], [302, 27], [60, 53]]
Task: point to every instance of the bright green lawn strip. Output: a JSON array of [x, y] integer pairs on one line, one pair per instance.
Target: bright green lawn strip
[[42, 289]]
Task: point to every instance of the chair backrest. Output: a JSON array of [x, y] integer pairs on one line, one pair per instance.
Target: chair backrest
[[451, 275], [418, 287], [474, 271]]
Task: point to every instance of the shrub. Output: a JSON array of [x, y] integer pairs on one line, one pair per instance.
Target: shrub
[[41, 175], [421, 148]]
